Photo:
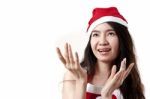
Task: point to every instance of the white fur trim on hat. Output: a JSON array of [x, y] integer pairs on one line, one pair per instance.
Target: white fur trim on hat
[[106, 19]]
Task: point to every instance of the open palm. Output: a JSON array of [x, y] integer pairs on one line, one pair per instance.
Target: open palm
[[116, 79], [72, 64]]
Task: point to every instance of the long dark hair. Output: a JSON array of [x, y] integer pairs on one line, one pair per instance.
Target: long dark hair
[[132, 87]]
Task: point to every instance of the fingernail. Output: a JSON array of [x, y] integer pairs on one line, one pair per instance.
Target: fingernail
[[125, 60], [66, 43], [132, 64]]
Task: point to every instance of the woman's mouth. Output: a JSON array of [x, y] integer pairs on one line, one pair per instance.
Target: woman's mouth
[[104, 50]]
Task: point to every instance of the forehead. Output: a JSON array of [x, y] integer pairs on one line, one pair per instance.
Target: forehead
[[103, 27]]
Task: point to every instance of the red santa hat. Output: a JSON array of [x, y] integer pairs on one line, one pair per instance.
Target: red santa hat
[[101, 15]]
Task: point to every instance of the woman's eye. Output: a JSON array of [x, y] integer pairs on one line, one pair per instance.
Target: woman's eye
[[112, 34], [95, 34]]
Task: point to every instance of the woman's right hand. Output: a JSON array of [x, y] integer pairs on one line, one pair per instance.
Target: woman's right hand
[[72, 64]]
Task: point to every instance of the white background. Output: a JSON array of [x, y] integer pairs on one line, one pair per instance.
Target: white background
[[30, 30]]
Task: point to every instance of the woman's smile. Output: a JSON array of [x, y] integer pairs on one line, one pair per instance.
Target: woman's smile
[[104, 51]]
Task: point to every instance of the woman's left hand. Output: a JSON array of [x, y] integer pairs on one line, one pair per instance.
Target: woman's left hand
[[115, 80]]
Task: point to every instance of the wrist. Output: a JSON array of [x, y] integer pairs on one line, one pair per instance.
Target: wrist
[[81, 83], [106, 96]]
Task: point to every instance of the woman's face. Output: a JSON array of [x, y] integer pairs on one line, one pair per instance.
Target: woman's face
[[104, 43]]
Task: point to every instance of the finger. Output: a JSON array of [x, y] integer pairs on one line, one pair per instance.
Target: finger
[[123, 65], [118, 74], [128, 70], [122, 69], [77, 61], [113, 71], [79, 69], [126, 73], [118, 77], [60, 56], [122, 77], [75, 70], [66, 56], [71, 59]]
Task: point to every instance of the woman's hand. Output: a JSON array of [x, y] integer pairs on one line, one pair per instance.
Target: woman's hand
[[72, 64], [116, 79]]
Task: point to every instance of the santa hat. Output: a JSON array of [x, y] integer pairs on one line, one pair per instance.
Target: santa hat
[[101, 15]]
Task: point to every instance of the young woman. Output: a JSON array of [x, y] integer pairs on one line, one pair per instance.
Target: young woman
[[108, 69]]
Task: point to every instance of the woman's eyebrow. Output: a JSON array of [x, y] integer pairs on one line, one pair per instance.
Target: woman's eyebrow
[[96, 31], [108, 30]]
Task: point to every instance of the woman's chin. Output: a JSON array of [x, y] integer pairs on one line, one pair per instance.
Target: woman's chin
[[105, 59]]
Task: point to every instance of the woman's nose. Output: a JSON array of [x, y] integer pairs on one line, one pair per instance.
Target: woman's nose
[[103, 40]]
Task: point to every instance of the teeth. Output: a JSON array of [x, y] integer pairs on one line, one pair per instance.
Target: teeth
[[104, 50]]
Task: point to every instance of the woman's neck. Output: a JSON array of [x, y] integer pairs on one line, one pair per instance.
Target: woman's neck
[[102, 73], [103, 68]]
